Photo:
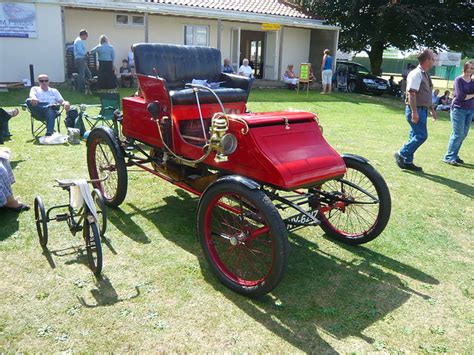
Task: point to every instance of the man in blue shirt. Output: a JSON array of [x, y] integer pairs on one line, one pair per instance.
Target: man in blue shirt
[[80, 58]]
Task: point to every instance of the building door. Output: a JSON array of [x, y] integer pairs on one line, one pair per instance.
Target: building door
[[235, 48], [256, 57], [251, 47], [271, 56]]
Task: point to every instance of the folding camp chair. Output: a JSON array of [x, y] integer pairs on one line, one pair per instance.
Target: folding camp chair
[[38, 124], [109, 103]]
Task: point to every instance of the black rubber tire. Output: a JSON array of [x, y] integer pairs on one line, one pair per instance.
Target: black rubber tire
[[276, 239], [101, 211], [91, 236], [41, 222], [114, 189], [351, 86], [383, 213]]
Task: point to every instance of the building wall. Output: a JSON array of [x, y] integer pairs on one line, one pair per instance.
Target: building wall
[[44, 52], [98, 23], [296, 43], [320, 40], [167, 29]]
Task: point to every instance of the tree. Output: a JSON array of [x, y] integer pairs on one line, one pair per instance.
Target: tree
[[374, 25]]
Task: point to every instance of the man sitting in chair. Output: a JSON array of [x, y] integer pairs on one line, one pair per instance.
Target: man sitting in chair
[[40, 99]]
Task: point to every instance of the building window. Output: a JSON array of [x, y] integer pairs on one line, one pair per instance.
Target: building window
[[196, 35], [129, 20]]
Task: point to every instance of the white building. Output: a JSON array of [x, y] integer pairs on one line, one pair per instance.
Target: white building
[[271, 33]]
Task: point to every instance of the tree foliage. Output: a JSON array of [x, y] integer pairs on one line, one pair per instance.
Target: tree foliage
[[374, 25]]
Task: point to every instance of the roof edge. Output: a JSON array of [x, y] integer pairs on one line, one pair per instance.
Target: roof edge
[[187, 11]]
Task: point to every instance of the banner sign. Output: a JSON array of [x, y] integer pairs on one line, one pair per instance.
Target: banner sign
[[270, 27], [448, 58], [304, 71], [18, 20]]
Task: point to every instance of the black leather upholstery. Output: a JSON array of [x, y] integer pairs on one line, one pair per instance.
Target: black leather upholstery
[[187, 96], [179, 65]]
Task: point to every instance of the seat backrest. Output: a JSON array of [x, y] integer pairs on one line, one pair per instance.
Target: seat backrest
[[109, 102], [177, 64]]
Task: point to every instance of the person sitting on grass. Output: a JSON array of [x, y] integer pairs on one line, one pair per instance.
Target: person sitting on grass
[[7, 201], [40, 99], [444, 102], [126, 76]]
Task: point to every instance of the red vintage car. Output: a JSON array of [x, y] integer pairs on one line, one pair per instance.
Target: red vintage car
[[258, 175]]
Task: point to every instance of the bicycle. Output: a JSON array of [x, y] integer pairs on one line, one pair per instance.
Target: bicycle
[[78, 219]]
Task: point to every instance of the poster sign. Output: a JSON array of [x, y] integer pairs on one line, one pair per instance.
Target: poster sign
[[18, 20], [270, 26], [304, 71], [449, 59]]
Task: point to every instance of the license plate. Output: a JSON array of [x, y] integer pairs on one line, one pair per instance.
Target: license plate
[[381, 87]]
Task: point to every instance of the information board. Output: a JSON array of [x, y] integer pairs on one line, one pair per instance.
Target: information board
[[18, 20]]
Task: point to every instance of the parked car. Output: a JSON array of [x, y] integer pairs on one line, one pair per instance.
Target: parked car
[[358, 79]]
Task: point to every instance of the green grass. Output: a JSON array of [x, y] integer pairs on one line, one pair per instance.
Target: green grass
[[410, 290]]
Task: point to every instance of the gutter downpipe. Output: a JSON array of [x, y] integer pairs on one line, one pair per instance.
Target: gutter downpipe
[[219, 33], [280, 52], [146, 27]]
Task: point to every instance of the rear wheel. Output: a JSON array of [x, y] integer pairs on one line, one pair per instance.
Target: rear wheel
[[91, 237], [104, 160], [243, 238], [41, 222], [367, 211], [102, 213]]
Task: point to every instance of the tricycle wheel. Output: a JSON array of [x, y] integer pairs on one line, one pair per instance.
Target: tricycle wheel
[[91, 236], [366, 217], [41, 222], [243, 238], [101, 212], [104, 158]]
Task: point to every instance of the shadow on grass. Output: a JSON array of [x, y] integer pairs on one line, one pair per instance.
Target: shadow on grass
[[125, 224], [459, 187], [320, 292], [9, 223], [105, 294]]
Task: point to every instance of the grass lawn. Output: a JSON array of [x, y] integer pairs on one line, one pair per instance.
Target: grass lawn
[[410, 290]]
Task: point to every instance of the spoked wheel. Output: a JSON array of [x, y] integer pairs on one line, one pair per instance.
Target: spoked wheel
[[41, 222], [243, 238], [101, 212], [104, 159], [91, 236], [367, 209]]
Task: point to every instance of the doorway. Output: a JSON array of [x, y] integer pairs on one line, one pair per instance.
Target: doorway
[[252, 44]]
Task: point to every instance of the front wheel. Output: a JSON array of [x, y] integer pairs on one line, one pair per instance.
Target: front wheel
[[91, 237], [104, 160], [41, 222], [351, 86], [243, 238], [367, 206]]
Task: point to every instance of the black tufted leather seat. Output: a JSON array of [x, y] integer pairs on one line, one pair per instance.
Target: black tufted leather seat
[[179, 65]]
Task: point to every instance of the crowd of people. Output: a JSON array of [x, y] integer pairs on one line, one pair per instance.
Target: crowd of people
[[420, 98], [107, 74]]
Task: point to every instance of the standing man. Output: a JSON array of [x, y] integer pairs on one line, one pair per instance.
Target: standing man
[[80, 58], [418, 101]]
